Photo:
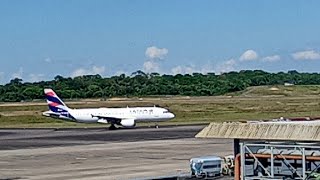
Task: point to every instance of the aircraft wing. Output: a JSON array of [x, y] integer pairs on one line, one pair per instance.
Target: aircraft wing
[[109, 119]]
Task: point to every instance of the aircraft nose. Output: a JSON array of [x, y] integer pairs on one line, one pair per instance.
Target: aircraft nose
[[172, 115]]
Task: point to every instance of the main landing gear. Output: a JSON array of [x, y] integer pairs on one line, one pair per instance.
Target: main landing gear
[[112, 127]]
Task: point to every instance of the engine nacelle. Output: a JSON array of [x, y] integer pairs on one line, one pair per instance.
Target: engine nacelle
[[128, 123]]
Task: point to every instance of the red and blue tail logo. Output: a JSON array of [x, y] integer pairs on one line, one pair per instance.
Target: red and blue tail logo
[[56, 105], [54, 102]]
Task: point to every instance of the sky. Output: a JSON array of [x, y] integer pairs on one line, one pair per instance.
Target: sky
[[42, 39]]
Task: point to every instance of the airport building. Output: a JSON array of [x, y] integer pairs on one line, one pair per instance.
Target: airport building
[[271, 150]]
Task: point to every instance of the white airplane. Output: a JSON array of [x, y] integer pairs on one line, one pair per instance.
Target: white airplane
[[126, 117]]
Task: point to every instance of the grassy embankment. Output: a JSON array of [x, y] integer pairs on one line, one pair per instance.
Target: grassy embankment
[[255, 103]]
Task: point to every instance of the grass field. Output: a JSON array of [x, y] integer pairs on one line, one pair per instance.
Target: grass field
[[255, 103]]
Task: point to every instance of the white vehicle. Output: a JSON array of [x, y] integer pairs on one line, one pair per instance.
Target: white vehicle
[[206, 166], [126, 117], [228, 165]]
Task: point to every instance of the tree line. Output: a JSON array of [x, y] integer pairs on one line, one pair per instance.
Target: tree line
[[148, 84]]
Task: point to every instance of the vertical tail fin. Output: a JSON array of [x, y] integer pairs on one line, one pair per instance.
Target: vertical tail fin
[[54, 102]]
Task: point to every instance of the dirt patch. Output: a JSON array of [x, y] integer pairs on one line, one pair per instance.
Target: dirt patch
[[274, 89]]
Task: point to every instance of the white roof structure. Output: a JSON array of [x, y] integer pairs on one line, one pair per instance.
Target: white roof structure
[[261, 131]]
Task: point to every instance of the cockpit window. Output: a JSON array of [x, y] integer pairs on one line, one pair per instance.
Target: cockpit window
[[166, 111]]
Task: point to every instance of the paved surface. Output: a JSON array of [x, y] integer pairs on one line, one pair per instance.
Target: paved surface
[[102, 154]]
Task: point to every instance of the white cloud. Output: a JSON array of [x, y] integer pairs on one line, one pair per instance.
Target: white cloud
[[208, 68], [177, 70], [249, 55], [89, 71], [306, 55], [183, 70], [30, 78], [120, 72], [18, 74], [156, 53], [48, 60], [151, 66], [271, 58], [35, 77], [226, 66], [192, 69]]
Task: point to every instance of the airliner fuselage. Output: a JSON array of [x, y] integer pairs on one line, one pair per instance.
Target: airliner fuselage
[[126, 117]]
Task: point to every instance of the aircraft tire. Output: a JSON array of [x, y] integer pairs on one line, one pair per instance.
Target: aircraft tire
[[112, 127]]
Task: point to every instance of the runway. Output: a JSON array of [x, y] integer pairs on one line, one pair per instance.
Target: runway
[[97, 153], [35, 138]]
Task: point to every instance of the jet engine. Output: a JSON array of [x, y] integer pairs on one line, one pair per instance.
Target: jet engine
[[128, 123]]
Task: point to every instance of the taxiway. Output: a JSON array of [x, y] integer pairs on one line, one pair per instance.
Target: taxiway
[[96, 153]]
